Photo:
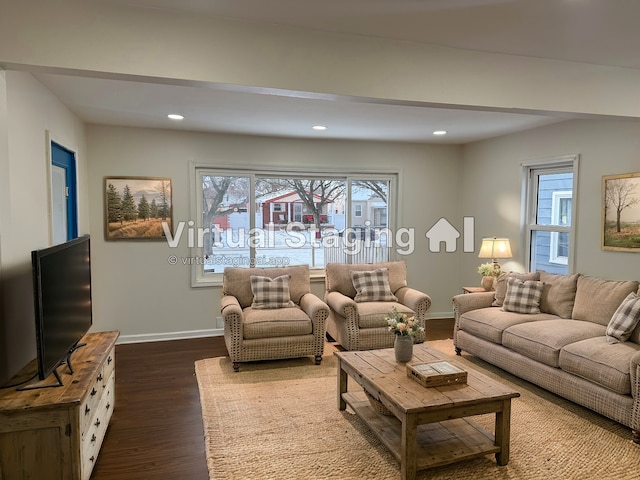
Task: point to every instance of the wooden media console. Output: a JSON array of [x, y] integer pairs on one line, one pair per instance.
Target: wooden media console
[[56, 433]]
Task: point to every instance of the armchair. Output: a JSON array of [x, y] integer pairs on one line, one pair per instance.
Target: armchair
[[254, 331], [361, 325]]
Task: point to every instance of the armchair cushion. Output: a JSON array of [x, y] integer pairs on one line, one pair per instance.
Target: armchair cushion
[[372, 286], [270, 292], [275, 322], [373, 314]]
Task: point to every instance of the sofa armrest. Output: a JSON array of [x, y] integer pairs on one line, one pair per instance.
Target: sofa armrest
[[232, 315], [465, 302], [416, 300], [635, 376], [635, 393], [341, 304], [229, 305], [316, 309]]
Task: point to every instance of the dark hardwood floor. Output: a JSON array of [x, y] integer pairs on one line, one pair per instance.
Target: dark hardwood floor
[[156, 430]]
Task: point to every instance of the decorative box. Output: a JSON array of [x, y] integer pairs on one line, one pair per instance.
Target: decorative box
[[436, 374]]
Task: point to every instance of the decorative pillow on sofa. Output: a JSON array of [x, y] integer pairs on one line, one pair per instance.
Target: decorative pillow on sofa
[[597, 299], [270, 292], [372, 286], [624, 320], [559, 293], [501, 284], [522, 296]]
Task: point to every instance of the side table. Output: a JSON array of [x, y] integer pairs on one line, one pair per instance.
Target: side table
[[473, 290]]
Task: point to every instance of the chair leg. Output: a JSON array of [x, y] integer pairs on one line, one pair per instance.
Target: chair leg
[[236, 366], [318, 359]]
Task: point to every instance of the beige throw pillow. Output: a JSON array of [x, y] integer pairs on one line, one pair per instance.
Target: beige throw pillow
[[372, 286], [597, 299], [270, 292], [558, 294]]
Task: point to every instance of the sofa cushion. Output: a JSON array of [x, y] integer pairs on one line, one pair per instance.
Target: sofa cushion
[[372, 286], [543, 340], [277, 322], [270, 292], [522, 296], [489, 323], [624, 320], [600, 362], [559, 293], [597, 299], [501, 284], [373, 314], [338, 275]]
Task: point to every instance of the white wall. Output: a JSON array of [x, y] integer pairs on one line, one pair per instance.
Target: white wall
[[491, 189], [137, 292], [31, 110]]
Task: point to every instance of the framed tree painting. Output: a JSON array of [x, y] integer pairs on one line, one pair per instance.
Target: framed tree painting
[[621, 212], [137, 208]]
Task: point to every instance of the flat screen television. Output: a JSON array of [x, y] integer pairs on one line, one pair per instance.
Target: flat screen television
[[62, 300]]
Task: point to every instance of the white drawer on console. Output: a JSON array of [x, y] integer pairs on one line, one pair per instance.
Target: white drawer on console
[[93, 435]]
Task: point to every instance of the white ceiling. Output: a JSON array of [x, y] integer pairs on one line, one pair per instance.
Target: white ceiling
[[590, 31]]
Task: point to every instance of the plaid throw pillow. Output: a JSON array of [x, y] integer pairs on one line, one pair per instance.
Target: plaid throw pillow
[[372, 286], [522, 296], [270, 292], [624, 320]]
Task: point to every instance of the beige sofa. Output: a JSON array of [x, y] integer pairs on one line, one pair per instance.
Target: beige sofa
[[362, 325], [254, 334], [563, 348]]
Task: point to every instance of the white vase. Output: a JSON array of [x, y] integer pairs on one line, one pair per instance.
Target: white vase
[[403, 347]]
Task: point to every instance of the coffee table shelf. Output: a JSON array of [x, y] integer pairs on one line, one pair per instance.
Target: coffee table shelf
[[437, 444]]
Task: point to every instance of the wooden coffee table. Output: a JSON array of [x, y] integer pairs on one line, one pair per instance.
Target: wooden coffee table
[[427, 427]]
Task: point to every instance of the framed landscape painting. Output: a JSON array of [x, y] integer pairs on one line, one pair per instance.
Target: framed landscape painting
[[621, 212], [137, 208]]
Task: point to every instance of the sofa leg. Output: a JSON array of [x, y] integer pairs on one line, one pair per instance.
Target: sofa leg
[[236, 366], [458, 351], [636, 436], [318, 359]]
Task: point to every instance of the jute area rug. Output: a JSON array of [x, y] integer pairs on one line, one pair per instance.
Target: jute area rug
[[280, 420]]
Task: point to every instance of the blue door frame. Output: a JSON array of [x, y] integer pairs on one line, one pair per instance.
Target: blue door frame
[[66, 159]]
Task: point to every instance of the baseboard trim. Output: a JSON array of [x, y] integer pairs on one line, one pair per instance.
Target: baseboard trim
[[160, 337], [215, 332]]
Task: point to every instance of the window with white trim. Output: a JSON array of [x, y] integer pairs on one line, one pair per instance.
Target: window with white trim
[[549, 208], [267, 218]]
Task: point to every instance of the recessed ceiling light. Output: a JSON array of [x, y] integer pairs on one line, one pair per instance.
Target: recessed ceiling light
[[440, 132], [319, 127], [175, 116]]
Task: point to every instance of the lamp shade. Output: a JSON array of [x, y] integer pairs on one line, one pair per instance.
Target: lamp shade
[[495, 248]]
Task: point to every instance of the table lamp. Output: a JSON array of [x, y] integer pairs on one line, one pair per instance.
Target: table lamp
[[495, 248]]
